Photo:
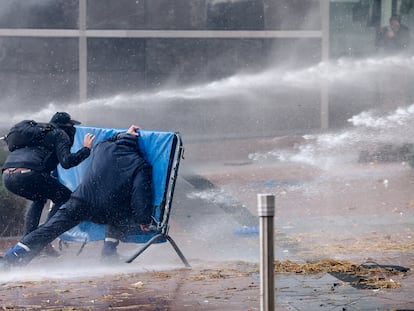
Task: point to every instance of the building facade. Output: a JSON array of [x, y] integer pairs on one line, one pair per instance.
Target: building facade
[[205, 67]]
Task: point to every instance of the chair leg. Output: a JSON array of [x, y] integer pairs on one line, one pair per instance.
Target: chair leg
[[152, 240], [178, 251], [155, 238]]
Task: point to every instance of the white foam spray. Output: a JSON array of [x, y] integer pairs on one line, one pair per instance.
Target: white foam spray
[[369, 129]]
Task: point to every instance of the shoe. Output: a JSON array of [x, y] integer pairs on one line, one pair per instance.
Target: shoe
[[18, 255], [109, 247], [50, 251], [109, 254]]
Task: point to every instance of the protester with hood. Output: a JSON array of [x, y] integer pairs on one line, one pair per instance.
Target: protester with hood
[[116, 191], [394, 38], [27, 171]]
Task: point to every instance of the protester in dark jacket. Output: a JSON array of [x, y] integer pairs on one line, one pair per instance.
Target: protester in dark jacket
[[27, 171], [393, 39], [116, 191]]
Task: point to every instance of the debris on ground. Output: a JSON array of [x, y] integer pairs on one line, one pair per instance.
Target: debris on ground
[[367, 275]]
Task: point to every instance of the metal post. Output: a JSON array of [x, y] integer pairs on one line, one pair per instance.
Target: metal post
[[325, 16], [266, 211], [83, 53], [386, 12]]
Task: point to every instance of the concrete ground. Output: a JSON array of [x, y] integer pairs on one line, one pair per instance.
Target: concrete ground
[[337, 208]]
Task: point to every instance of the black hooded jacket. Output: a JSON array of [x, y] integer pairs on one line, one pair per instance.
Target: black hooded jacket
[[54, 149], [118, 183]]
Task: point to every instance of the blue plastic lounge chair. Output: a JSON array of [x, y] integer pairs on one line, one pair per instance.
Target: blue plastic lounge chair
[[163, 150]]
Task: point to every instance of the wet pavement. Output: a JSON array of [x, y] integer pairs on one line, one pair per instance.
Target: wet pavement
[[361, 212]]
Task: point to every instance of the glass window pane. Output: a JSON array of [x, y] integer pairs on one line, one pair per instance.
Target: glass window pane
[[60, 14], [36, 71], [292, 15], [119, 14], [235, 15]]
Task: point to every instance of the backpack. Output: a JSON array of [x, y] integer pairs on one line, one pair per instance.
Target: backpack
[[27, 133]]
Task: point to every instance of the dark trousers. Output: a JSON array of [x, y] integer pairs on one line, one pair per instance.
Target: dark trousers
[[38, 188], [64, 219], [70, 215]]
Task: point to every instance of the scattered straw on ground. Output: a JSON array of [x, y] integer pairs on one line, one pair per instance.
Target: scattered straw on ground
[[326, 266], [368, 275], [371, 277]]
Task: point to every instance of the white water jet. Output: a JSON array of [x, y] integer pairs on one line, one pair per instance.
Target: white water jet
[[328, 150], [242, 88]]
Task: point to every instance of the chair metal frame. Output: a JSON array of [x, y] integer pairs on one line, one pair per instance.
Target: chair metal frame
[[162, 226]]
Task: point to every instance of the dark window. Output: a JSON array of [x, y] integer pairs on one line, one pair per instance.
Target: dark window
[[146, 14], [116, 54], [36, 71], [235, 15], [175, 15], [115, 65], [119, 14], [61, 14], [292, 15]]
